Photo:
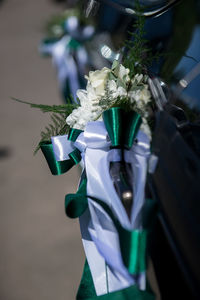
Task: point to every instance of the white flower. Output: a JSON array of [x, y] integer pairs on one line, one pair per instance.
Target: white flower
[[97, 80], [145, 95], [106, 89], [121, 92], [112, 86], [140, 96], [122, 73]]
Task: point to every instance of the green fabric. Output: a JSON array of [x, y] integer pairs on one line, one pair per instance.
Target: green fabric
[[73, 44], [113, 122], [75, 156], [76, 204], [86, 288], [132, 122], [130, 293], [56, 167], [133, 249], [61, 167], [73, 134], [122, 126]]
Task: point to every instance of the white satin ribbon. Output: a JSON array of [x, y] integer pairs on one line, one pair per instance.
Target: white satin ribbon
[[94, 136]]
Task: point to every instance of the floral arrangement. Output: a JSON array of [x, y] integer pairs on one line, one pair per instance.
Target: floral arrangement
[[107, 88]]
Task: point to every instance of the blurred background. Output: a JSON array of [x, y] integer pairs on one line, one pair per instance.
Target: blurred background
[[41, 254]]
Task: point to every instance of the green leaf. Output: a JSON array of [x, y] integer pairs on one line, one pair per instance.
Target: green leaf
[[115, 64], [111, 76]]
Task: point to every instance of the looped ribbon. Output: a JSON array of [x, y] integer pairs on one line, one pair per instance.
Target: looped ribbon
[[61, 155], [65, 151]]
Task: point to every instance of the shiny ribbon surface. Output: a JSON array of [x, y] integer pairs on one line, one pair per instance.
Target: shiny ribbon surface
[[122, 126], [56, 167]]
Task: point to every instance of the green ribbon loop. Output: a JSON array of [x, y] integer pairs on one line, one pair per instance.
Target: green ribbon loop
[[122, 126], [73, 134], [132, 122], [113, 122], [76, 204], [56, 167], [61, 167]]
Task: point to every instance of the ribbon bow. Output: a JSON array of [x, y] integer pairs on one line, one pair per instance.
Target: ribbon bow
[[119, 131]]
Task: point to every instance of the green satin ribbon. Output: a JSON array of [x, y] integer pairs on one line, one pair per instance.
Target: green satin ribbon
[[76, 204], [73, 134], [132, 122], [87, 291], [75, 156], [61, 167], [56, 167], [113, 122], [122, 126]]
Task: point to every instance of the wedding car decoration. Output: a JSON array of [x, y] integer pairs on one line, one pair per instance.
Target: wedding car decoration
[[108, 129]]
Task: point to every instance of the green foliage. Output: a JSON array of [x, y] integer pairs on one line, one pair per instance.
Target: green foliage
[[65, 108], [57, 127], [139, 55], [59, 113]]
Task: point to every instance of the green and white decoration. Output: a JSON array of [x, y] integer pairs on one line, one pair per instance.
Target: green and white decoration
[[110, 125], [108, 122]]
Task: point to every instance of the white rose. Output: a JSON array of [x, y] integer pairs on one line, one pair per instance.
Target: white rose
[[97, 80]]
